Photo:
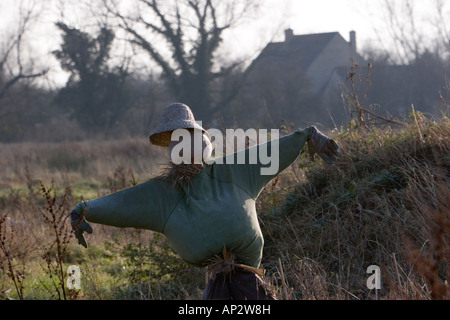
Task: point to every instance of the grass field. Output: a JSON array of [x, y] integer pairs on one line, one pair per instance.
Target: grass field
[[385, 202]]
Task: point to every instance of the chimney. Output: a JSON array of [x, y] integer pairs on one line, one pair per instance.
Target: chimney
[[353, 40], [288, 34]]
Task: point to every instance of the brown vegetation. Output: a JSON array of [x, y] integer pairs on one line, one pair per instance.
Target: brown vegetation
[[384, 202]]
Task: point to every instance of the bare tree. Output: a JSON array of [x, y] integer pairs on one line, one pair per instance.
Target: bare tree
[[413, 66], [182, 37], [13, 66], [442, 25], [413, 30], [401, 25]]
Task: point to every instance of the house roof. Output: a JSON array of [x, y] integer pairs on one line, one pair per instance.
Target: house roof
[[304, 48]]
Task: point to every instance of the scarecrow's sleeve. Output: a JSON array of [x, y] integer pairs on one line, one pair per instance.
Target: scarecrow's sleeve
[[145, 206], [253, 177]]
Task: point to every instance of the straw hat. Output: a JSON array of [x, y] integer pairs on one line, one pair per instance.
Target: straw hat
[[175, 116]]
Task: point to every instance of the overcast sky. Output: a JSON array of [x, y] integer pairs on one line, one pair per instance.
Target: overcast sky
[[367, 18]]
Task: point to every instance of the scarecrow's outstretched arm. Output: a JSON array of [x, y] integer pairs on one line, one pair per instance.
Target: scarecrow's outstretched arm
[[273, 157], [145, 206]]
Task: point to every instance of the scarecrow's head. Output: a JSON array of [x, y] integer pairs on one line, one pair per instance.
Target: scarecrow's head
[[186, 139]]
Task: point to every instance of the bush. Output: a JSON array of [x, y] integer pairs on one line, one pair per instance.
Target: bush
[[154, 271]]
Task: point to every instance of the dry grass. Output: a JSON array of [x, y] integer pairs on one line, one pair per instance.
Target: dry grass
[[385, 203], [63, 161], [39, 183]]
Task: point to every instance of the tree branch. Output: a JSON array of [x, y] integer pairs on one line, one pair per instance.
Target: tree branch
[[174, 38], [17, 45], [17, 78], [144, 44]]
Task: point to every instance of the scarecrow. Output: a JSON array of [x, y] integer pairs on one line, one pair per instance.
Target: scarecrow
[[206, 211]]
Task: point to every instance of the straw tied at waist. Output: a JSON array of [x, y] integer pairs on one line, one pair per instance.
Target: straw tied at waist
[[226, 264]]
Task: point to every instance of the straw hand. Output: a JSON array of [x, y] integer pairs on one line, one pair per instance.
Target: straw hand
[[79, 225], [325, 147]]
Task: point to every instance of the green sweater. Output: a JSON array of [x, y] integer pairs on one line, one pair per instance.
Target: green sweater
[[218, 210]]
